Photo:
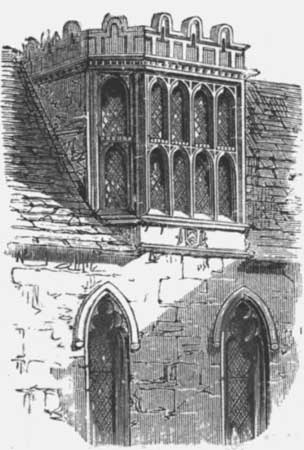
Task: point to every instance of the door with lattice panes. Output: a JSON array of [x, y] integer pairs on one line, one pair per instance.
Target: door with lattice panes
[[108, 373], [246, 374]]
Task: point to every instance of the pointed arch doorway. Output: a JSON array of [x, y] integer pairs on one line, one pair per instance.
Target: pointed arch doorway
[[246, 366], [108, 375], [106, 329], [245, 332]]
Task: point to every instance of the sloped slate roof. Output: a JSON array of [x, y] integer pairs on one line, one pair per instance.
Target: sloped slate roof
[[273, 125], [51, 217]]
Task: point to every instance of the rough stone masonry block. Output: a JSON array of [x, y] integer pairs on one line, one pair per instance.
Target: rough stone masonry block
[[157, 349], [195, 268], [189, 347], [209, 420], [148, 371], [189, 400], [187, 374], [168, 328], [169, 313], [175, 290], [155, 399], [186, 428], [155, 429]]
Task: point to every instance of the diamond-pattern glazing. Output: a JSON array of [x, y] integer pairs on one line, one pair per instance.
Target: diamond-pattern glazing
[[181, 181], [201, 125], [178, 122], [226, 120], [157, 182], [104, 376], [114, 111], [202, 185], [243, 383], [116, 186], [226, 188], [158, 112]]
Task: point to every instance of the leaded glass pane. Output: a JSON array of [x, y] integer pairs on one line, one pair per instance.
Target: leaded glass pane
[[226, 189], [178, 116], [113, 110], [158, 181], [107, 372], [158, 112], [202, 185], [101, 386], [245, 382], [201, 119], [116, 186], [181, 180], [226, 120]]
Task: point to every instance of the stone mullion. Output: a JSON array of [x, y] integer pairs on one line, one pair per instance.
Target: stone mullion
[[191, 158], [171, 183], [191, 181], [94, 109], [190, 118], [131, 147], [140, 134], [170, 154], [215, 163]]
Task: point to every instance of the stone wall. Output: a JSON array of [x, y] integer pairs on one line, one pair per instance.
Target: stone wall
[[273, 127], [175, 375], [176, 386], [64, 103]]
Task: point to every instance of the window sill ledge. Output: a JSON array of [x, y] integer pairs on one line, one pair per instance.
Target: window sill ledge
[[201, 252], [166, 221], [195, 223]]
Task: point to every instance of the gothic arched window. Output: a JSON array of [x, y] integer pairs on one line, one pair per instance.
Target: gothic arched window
[[246, 373], [226, 120], [179, 114], [226, 188], [113, 109], [181, 172], [203, 118], [116, 179], [203, 174], [159, 180], [159, 111], [108, 375]]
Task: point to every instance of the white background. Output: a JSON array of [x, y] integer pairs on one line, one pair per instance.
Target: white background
[[274, 29]]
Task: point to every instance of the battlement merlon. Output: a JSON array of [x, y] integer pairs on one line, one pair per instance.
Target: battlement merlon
[[185, 49]]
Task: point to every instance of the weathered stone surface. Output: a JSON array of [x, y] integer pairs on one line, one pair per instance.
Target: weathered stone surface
[[156, 399], [273, 126]]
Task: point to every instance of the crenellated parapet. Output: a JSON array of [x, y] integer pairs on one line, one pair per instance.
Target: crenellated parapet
[[159, 41]]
